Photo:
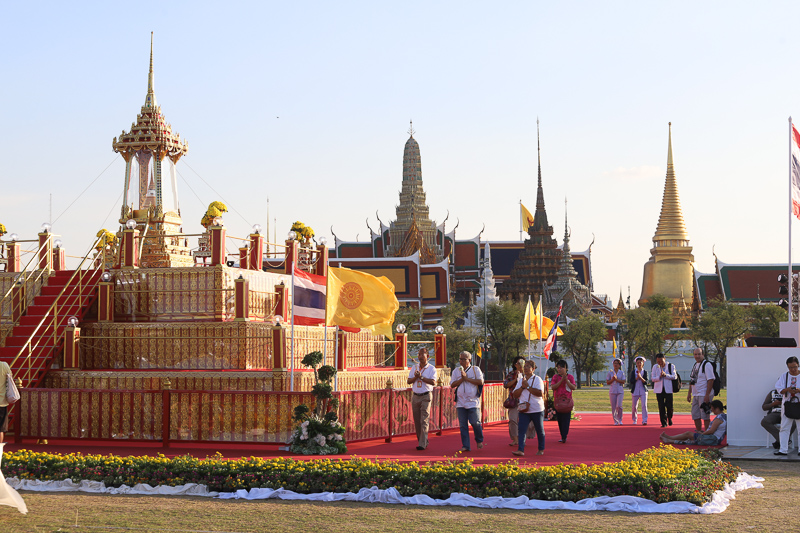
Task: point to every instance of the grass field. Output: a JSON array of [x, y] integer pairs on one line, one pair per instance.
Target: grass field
[[752, 510], [596, 399]]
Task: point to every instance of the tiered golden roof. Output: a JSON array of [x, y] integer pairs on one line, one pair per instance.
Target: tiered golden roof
[[670, 224]]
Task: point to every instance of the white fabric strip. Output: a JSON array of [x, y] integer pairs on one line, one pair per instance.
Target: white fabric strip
[[631, 504]]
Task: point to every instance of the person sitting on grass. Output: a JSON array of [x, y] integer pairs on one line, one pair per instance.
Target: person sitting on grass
[[710, 437]]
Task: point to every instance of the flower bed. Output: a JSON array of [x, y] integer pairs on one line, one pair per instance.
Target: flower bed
[[660, 474]]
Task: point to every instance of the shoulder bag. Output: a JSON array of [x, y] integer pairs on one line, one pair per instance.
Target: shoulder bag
[[563, 403], [676, 383], [12, 393], [791, 409]]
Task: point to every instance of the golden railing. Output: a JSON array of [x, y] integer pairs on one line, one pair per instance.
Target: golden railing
[[46, 334], [172, 416], [29, 278]]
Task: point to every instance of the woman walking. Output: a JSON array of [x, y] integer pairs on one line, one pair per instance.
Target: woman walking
[[530, 392], [615, 379], [510, 383], [562, 384]]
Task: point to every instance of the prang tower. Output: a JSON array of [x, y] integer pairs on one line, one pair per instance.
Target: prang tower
[[669, 270], [413, 230]]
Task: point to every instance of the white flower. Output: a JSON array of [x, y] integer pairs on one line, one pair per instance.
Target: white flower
[[320, 440]]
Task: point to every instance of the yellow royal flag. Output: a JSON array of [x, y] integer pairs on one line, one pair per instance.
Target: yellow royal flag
[[479, 351], [360, 300], [614, 349], [526, 217], [531, 324]]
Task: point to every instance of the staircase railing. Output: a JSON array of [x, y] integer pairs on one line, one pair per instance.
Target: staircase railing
[[24, 278], [54, 317]]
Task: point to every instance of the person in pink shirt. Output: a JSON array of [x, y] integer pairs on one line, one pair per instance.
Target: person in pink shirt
[[562, 384]]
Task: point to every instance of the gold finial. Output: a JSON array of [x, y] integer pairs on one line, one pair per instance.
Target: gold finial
[[150, 99], [411, 131]]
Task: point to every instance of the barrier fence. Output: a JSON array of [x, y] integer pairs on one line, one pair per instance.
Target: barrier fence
[[183, 416]]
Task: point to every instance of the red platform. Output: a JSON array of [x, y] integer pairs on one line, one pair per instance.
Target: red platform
[[592, 439]]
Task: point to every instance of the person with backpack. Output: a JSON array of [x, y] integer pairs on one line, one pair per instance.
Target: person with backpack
[[701, 390], [663, 376]]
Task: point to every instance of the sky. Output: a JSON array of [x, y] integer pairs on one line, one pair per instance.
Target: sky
[[308, 104]]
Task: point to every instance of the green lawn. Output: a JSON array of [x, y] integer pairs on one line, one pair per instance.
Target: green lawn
[[596, 399]]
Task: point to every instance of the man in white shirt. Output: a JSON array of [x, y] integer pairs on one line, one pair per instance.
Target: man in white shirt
[[788, 385], [663, 374], [422, 378], [701, 390], [468, 382]]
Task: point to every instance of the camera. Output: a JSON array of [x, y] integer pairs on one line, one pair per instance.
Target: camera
[[693, 382], [706, 407]]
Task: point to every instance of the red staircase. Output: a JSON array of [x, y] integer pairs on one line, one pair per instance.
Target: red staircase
[[37, 340]]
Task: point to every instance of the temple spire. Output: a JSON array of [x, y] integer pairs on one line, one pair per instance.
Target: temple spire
[[150, 99], [671, 226], [540, 216], [567, 269]]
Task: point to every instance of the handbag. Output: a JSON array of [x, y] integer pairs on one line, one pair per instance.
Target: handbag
[[12, 393], [523, 407], [563, 404], [511, 402]]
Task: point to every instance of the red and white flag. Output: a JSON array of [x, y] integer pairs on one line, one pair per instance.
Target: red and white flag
[[309, 298], [550, 347], [795, 160]]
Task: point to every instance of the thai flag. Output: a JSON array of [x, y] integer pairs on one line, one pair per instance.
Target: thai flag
[[795, 159], [308, 298], [550, 347]]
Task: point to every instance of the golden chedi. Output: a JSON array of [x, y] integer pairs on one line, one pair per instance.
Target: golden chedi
[[669, 269]]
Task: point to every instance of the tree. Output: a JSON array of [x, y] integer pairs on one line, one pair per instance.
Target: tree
[[459, 339], [504, 324], [765, 320], [647, 327], [719, 327], [580, 340], [659, 302]]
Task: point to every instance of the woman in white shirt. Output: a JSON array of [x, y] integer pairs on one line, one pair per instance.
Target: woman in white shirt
[[531, 407]]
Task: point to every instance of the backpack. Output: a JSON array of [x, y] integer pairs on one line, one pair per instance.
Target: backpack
[[717, 382], [676, 383]]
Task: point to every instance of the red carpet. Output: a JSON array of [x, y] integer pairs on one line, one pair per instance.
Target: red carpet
[[592, 439]]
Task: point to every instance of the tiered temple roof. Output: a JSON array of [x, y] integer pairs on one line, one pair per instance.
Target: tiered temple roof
[[537, 264], [576, 297]]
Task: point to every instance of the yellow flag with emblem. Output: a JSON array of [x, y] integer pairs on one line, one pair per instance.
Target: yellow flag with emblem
[[531, 323], [525, 217], [360, 300]]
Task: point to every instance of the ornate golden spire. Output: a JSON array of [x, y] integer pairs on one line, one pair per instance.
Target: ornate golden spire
[[670, 224], [150, 99]]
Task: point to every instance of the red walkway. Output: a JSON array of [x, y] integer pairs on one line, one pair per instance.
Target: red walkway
[[592, 439]]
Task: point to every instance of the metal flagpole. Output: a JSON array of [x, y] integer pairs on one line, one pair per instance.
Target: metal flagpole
[[520, 225], [530, 306], [791, 214], [336, 357], [291, 352], [539, 340]]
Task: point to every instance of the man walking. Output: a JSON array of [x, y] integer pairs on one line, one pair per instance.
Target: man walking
[[701, 391], [663, 374], [468, 382], [422, 378]]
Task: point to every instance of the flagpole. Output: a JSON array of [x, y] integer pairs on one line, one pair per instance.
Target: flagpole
[[336, 357], [291, 354], [791, 214], [539, 339], [520, 226], [529, 320]]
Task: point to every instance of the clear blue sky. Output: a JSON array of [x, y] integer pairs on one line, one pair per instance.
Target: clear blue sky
[[308, 103]]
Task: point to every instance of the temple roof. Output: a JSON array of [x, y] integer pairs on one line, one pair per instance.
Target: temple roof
[[151, 130], [670, 224]]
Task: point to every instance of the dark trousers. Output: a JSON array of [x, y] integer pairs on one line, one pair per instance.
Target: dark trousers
[[664, 407], [563, 424]]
